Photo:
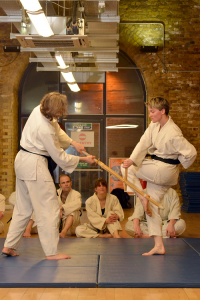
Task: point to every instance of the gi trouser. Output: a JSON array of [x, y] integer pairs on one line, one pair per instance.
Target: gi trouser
[[88, 231], [160, 177], [179, 227], [38, 195]]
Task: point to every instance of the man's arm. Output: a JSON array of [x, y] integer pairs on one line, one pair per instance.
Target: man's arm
[[170, 231]]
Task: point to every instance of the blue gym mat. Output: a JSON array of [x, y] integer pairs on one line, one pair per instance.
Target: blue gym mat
[[149, 271], [103, 263]]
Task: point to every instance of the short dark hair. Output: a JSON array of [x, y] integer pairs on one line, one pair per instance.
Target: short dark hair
[[62, 175], [159, 103], [101, 181]]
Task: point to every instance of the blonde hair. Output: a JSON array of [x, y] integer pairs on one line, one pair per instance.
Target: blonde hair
[[159, 103], [53, 104]]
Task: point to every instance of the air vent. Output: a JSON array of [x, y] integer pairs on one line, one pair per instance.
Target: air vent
[[66, 41]]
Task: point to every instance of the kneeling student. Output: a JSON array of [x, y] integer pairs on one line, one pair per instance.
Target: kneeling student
[[69, 202], [104, 213], [172, 225]]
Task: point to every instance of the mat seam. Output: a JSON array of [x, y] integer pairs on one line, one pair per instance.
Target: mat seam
[[191, 246]]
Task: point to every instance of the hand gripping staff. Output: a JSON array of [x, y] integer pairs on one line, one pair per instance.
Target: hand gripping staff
[[109, 170]]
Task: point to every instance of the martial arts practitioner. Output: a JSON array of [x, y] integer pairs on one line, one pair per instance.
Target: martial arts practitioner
[[104, 213], [164, 140], [42, 137], [172, 225], [70, 204], [2, 209]]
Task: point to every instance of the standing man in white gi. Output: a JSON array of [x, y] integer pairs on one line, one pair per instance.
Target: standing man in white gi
[[172, 224], [42, 137], [164, 141], [2, 209]]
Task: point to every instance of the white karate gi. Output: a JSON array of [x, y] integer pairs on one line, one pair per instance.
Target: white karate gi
[[2, 208], [97, 220], [35, 190], [71, 207], [168, 143], [171, 211]]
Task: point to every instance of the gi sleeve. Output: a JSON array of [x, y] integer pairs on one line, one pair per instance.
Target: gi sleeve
[[186, 151], [73, 205], [138, 211], [116, 208], [52, 145], [64, 139]]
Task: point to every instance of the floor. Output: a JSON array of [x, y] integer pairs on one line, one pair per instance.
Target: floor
[[193, 230]]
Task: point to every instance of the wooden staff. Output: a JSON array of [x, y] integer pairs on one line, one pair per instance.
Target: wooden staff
[[109, 170], [126, 174]]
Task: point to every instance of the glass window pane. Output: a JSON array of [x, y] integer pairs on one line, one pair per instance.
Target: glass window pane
[[36, 85], [89, 101], [121, 142], [124, 93]]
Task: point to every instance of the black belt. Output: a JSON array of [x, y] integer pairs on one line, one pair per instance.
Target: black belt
[[165, 160], [50, 160]]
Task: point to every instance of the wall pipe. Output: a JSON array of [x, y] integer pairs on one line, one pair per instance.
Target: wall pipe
[[163, 62]]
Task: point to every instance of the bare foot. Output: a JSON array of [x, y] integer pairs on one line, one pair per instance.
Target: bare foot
[[156, 250], [27, 234], [9, 252], [105, 235], [62, 234], [116, 236], [58, 256], [144, 202]]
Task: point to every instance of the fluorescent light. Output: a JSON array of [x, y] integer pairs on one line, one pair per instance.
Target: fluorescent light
[[61, 61], [74, 87], [68, 76], [31, 5], [122, 126], [37, 16]]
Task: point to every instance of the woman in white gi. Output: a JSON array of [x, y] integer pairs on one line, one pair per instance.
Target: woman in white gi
[[104, 213], [42, 137], [164, 140]]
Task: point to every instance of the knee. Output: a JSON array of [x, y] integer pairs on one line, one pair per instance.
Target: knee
[[78, 231], [180, 226]]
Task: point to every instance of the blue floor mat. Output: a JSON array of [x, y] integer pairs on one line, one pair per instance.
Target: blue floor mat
[[103, 263], [149, 271], [194, 243]]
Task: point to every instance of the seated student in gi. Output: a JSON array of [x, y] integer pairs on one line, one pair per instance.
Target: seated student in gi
[[172, 225], [104, 213], [2, 209], [70, 204]]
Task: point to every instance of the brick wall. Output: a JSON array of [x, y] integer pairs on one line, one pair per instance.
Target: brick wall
[[12, 67], [179, 79]]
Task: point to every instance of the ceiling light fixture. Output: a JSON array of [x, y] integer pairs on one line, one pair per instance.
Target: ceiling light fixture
[[122, 126], [60, 61], [69, 77], [37, 17], [74, 87]]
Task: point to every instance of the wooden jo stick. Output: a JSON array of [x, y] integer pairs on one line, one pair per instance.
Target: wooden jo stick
[[109, 170], [126, 174]]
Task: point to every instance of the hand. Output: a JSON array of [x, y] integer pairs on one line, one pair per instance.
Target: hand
[[114, 217], [127, 163], [138, 232], [78, 146], [170, 231], [88, 159], [1, 215]]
